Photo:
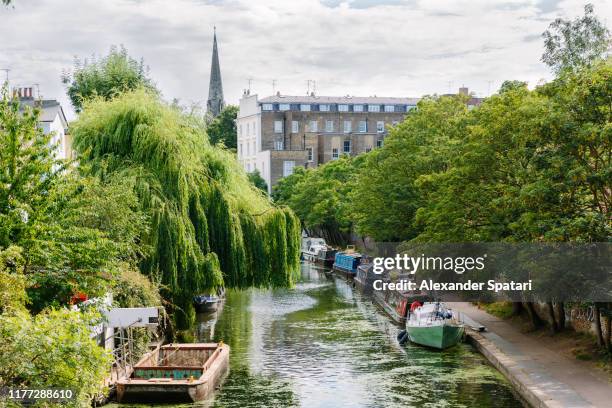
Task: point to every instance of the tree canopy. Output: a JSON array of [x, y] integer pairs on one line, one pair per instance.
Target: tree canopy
[[222, 129], [105, 77], [209, 226], [570, 44]]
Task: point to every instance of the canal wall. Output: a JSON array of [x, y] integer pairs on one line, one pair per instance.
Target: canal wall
[[534, 388]]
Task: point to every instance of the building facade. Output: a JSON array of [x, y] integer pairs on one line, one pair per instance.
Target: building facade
[[52, 121], [278, 133]]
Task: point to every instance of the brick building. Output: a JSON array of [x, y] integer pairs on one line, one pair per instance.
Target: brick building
[[279, 132]]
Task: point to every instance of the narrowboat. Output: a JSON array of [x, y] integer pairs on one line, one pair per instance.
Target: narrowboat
[[365, 277], [396, 303], [176, 373], [326, 256], [316, 250], [433, 325], [347, 261], [207, 303]]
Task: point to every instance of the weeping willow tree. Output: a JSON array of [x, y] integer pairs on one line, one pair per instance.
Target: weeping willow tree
[[209, 226]]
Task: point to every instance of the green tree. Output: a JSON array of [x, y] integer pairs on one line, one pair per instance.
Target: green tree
[[258, 181], [105, 77], [222, 129], [27, 168], [209, 226], [573, 44], [387, 196], [320, 197], [52, 349]]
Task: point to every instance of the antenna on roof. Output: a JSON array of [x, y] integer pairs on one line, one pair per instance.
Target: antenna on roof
[[273, 86], [37, 91], [314, 87], [249, 80], [7, 73]]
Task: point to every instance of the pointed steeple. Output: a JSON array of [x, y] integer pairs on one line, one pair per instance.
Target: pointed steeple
[[215, 89]]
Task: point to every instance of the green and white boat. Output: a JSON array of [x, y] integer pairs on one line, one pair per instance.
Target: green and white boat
[[434, 325]]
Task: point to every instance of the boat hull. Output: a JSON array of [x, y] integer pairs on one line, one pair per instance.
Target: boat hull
[[436, 336], [154, 390], [207, 307]]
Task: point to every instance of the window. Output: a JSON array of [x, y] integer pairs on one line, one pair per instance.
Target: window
[[254, 147], [347, 146], [380, 126], [368, 149], [278, 145], [240, 130], [342, 108], [379, 143], [329, 125], [357, 108], [305, 107], [347, 126], [248, 149], [240, 150], [288, 166], [324, 108], [373, 108], [267, 106], [314, 126], [363, 126], [410, 107], [284, 107], [249, 167], [334, 153], [295, 126], [278, 126], [309, 150], [389, 108], [248, 129]]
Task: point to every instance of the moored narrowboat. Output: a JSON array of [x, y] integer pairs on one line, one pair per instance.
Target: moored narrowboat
[[347, 261], [365, 276], [396, 303], [317, 251], [176, 373]]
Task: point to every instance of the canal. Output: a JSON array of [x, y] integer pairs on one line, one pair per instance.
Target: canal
[[323, 344]]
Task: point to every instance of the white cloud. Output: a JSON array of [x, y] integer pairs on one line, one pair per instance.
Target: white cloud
[[358, 47]]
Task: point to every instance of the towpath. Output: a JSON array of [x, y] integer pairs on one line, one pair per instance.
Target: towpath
[[543, 376]]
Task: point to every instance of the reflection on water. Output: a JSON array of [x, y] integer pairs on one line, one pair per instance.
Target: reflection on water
[[322, 344]]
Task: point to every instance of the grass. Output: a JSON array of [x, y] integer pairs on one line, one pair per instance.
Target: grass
[[503, 310]]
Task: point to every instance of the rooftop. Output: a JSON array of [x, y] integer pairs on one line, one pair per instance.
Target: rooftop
[[339, 100]]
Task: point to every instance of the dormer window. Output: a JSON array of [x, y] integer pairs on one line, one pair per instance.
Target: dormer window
[[284, 107], [343, 108], [373, 108], [267, 107], [324, 108]]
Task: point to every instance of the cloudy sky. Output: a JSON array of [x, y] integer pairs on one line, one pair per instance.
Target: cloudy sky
[[357, 47]]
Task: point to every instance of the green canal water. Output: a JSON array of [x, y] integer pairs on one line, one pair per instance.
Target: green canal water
[[323, 344]]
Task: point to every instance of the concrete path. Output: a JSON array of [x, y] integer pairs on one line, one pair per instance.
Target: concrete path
[[549, 378]]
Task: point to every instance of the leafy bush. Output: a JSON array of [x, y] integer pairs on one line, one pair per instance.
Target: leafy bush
[[52, 349]]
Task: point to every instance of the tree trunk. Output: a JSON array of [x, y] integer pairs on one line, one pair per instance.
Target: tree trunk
[[517, 308], [608, 335], [600, 339], [561, 312], [536, 322], [554, 328]]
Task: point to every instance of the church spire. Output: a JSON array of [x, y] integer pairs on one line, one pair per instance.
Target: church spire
[[215, 89]]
